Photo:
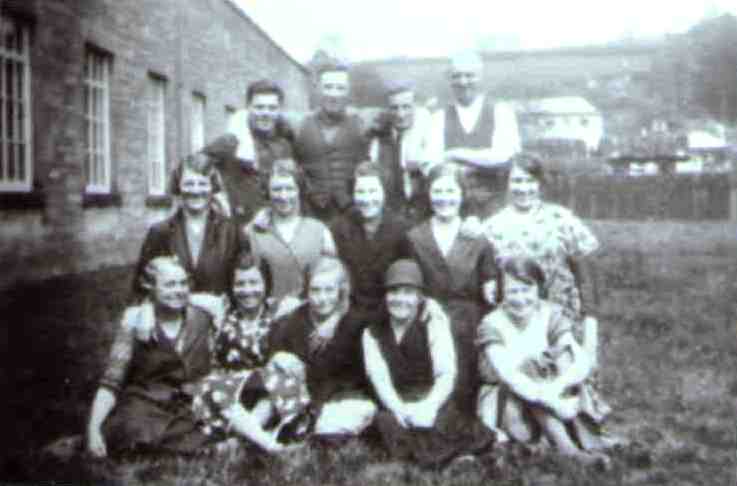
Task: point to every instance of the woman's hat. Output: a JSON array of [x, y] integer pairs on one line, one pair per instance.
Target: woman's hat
[[404, 272]]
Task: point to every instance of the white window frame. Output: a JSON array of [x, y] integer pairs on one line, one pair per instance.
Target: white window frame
[[197, 127], [19, 144], [156, 129], [98, 166]]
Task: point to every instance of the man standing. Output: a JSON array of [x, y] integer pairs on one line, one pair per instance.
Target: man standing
[[477, 133], [261, 140], [329, 144], [401, 151]]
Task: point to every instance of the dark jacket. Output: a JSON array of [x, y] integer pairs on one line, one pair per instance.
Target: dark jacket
[[214, 269]]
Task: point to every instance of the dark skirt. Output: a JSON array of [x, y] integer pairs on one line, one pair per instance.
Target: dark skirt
[[454, 434], [465, 316], [157, 418]]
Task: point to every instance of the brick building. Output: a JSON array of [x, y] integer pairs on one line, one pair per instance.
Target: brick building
[[98, 99]]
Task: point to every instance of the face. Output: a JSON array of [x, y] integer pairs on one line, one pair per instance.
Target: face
[[263, 111], [402, 109], [520, 298], [465, 77], [171, 289], [403, 302], [524, 189], [333, 89], [368, 196], [284, 195], [446, 197], [195, 190], [249, 288], [323, 294]]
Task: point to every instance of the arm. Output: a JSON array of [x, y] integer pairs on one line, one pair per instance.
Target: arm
[[584, 273], [248, 425], [380, 377], [239, 126], [579, 369], [442, 352], [328, 243], [150, 248], [505, 142], [507, 367], [215, 305], [111, 382]]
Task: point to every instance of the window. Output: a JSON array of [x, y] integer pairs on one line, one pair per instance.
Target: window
[[97, 122], [16, 172], [156, 167], [198, 122]]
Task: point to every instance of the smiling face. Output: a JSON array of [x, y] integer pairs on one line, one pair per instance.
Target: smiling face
[[446, 197], [171, 288], [323, 294], [263, 112], [333, 89], [368, 197], [402, 109], [249, 288], [523, 188], [196, 191], [284, 195], [520, 298], [403, 303], [465, 78]]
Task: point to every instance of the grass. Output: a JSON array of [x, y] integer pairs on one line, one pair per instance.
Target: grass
[[667, 367]]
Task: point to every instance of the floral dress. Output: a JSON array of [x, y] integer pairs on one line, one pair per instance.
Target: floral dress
[[549, 235], [240, 352]]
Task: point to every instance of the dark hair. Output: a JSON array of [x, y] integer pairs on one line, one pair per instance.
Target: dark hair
[[521, 268], [452, 170], [247, 260], [531, 163], [285, 168], [264, 86], [202, 164]]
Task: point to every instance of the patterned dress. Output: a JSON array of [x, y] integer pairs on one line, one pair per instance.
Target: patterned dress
[[240, 352], [550, 235]]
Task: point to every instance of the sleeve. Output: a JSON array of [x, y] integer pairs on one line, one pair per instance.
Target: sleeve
[[558, 326], [505, 139], [487, 334], [579, 239], [328, 243], [238, 126], [435, 148], [444, 362], [121, 352], [378, 373]]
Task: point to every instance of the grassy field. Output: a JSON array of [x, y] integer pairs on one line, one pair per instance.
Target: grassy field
[[668, 364]]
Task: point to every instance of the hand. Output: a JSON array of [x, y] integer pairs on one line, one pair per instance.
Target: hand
[[490, 292], [96, 443], [288, 305], [472, 227], [262, 220], [566, 408], [432, 310], [422, 414], [221, 205]]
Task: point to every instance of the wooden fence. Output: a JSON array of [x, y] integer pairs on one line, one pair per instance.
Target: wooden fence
[[663, 197]]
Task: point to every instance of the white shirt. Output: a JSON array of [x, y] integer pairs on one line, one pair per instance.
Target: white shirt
[[504, 142]]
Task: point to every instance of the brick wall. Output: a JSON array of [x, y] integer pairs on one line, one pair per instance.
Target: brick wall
[[204, 46]]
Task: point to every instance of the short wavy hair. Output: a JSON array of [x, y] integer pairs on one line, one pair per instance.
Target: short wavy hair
[[246, 260], [327, 264], [533, 164], [200, 163], [522, 268], [264, 86], [154, 267]]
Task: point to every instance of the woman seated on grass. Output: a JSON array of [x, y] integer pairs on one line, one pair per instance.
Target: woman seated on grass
[[225, 399], [410, 359], [144, 399], [535, 372]]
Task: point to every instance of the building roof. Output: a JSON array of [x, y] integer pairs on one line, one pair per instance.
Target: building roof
[[266, 36], [560, 105]]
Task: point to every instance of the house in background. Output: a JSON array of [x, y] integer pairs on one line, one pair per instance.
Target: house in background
[[562, 118], [98, 100]]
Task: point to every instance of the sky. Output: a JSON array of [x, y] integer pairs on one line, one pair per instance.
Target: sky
[[374, 29]]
